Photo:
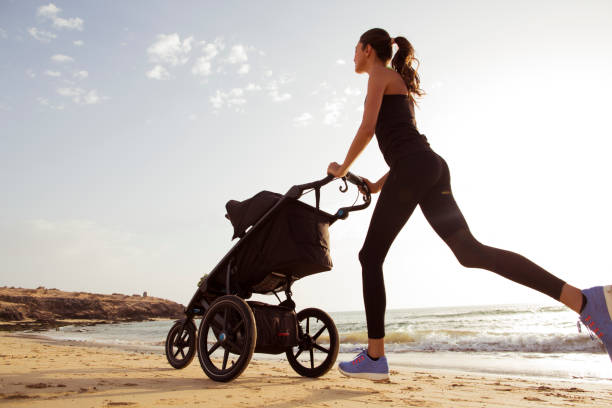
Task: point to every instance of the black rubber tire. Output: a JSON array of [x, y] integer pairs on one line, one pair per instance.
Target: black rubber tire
[[233, 325], [176, 344], [308, 342]]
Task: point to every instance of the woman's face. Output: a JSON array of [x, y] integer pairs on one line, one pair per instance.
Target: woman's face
[[360, 59]]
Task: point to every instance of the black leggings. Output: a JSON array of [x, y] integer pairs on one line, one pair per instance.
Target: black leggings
[[423, 178]]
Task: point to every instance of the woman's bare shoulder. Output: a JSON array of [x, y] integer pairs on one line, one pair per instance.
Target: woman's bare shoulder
[[392, 80]]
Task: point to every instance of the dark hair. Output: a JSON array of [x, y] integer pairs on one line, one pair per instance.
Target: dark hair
[[381, 42]]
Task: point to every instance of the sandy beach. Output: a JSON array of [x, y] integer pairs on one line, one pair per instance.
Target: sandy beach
[[39, 373]]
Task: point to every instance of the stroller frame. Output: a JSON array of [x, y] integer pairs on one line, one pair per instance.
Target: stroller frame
[[225, 311]]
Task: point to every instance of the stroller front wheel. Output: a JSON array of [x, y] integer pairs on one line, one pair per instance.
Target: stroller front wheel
[[181, 343], [228, 327], [318, 344]]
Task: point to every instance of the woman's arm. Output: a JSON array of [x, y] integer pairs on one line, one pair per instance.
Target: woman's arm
[[361, 140], [376, 88]]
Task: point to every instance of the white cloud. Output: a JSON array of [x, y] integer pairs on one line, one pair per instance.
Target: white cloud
[[212, 49], [158, 72], [278, 97], [323, 86], [217, 100], [303, 120], [244, 69], [340, 62], [78, 43], [230, 99], [70, 91], [91, 97], [62, 58], [53, 73], [237, 55], [285, 79], [81, 96], [51, 11], [170, 49], [3, 34], [352, 91], [201, 67], [253, 87], [71, 23], [45, 102], [81, 74], [273, 88], [30, 72], [193, 116], [42, 36], [268, 73], [333, 110]]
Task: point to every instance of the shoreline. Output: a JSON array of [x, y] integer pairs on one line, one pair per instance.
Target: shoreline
[[16, 326], [35, 372], [396, 360]]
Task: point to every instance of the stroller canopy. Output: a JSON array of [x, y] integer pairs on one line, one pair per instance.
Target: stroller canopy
[[243, 214]]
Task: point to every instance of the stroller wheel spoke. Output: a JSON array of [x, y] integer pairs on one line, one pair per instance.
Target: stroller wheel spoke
[[319, 332], [178, 350], [232, 345], [311, 359], [217, 323], [224, 319], [308, 325], [323, 349], [299, 352], [235, 329], [214, 347], [225, 356], [182, 352]]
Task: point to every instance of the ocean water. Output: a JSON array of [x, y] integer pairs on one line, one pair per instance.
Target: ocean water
[[522, 340]]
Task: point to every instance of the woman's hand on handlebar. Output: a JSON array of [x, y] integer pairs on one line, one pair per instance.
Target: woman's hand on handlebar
[[336, 170], [374, 187]]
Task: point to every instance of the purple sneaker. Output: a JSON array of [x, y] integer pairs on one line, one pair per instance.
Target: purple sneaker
[[596, 314], [364, 367]]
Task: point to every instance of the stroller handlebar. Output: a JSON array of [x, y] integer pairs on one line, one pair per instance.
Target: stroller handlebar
[[356, 180], [297, 190]]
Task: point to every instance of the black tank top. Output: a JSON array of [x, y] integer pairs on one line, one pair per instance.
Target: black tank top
[[396, 129]]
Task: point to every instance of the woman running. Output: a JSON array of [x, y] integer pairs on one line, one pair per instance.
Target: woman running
[[418, 175]]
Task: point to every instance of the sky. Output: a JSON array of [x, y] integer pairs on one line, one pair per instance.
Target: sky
[[125, 127]]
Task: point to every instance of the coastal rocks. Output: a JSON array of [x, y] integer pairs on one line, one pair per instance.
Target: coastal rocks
[[48, 305], [12, 311]]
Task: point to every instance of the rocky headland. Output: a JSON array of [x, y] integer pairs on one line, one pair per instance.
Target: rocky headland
[[43, 308]]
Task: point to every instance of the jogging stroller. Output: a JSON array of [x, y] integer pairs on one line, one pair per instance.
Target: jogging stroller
[[287, 240]]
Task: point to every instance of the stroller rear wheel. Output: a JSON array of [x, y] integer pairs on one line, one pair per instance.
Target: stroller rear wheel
[[228, 327], [181, 343], [318, 344]]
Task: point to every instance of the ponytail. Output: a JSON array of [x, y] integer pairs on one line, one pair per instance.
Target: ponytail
[[402, 63]]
